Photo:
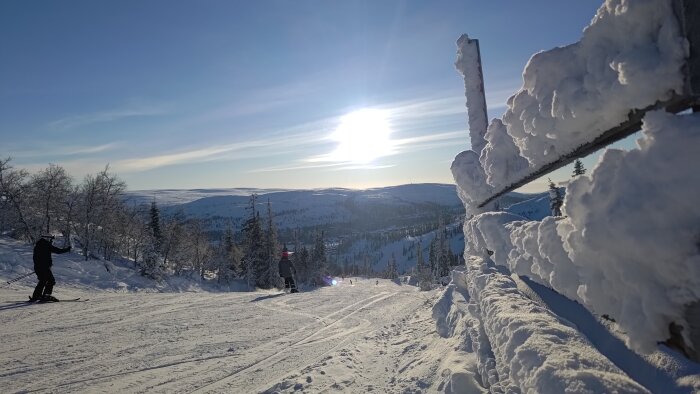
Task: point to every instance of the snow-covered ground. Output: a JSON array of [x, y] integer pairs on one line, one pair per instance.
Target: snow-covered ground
[[185, 336], [356, 337]]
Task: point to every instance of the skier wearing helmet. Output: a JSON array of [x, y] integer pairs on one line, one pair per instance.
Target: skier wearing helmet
[[287, 271], [42, 267]]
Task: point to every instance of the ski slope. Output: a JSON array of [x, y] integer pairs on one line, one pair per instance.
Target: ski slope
[[186, 336], [132, 336], [356, 337]]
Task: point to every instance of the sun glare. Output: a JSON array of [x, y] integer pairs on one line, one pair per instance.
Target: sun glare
[[362, 137]]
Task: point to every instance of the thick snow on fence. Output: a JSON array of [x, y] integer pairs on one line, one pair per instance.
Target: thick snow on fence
[[629, 57], [521, 346], [629, 244]]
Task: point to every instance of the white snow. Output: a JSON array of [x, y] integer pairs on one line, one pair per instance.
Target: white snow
[[630, 56], [628, 246], [357, 338], [469, 66]]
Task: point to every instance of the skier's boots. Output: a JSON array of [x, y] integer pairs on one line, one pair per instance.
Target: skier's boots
[[48, 298]]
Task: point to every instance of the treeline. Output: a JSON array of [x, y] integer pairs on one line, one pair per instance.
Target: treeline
[[92, 215], [50, 201]]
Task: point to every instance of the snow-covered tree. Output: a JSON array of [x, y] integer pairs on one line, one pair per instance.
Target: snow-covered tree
[[50, 188], [100, 198], [15, 200], [228, 257], [199, 252], [173, 247], [255, 258]]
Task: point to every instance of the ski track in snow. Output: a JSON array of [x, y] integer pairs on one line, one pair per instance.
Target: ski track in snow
[[221, 342]]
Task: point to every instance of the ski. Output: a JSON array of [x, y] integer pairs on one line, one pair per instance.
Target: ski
[[68, 300]]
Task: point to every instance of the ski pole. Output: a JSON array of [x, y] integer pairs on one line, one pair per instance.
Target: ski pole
[[21, 277]]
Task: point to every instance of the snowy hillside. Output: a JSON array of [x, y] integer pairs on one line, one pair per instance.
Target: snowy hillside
[[340, 213], [167, 197], [303, 208], [535, 208]]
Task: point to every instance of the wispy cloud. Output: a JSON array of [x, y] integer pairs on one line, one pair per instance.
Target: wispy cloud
[[364, 167], [106, 116], [57, 150], [300, 136], [304, 137], [84, 150], [327, 165], [298, 166]]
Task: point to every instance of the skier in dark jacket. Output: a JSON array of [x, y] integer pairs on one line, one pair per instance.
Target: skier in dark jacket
[[287, 271], [42, 268]]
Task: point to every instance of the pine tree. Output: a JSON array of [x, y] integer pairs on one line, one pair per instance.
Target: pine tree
[[155, 225], [578, 168], [271, 250], [556, 200], [420, 263], [227, 263], [443, 252], [301, 263], [150, 266], [433, 259], [254, 259], [423, 270], [392, 271], [318, 260]]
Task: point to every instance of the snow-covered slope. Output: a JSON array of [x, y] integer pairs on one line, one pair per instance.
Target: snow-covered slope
[[535, 208], [356, 337]]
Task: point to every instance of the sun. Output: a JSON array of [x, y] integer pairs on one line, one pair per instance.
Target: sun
[[362, 137]]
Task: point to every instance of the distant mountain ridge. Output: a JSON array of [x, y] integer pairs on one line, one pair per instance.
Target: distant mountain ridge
[[334, 210], [304, 208]]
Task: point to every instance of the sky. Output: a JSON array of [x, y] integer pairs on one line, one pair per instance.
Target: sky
[[267, 94]]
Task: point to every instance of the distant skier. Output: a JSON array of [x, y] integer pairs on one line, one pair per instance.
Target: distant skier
[[287, 271], [42, 268]]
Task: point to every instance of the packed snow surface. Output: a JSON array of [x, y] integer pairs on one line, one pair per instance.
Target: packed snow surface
[[359, 337], [629, 57], [363, 335]]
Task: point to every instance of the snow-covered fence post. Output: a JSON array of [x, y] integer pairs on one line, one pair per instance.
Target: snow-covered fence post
[[469, 65]]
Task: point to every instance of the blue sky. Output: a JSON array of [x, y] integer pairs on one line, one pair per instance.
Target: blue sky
[[185, 94]]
